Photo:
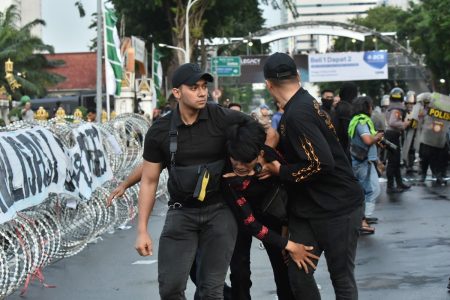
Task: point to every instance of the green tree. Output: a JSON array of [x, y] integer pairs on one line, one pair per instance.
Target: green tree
[[428, 28], [164, 21], [27, 53], [381, 19]]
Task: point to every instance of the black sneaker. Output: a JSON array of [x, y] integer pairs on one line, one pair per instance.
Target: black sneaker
[[404, 186], [393, 190]]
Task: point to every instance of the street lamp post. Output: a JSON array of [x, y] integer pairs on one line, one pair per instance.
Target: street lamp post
[[175, 48], [249, 47], [186, 30]]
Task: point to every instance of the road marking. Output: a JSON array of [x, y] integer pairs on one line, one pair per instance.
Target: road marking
[[144, 262]]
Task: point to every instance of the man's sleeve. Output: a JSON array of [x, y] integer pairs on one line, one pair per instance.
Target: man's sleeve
[[395, 120], [152, 151], [314, 156], [251, 224], [229, 117]]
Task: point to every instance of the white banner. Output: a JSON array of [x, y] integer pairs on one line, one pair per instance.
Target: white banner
[[89, 165], [140, 52], [34, 163], [348, 66]]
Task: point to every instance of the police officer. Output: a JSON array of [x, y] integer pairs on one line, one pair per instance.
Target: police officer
[[396, 124], [433, 147]]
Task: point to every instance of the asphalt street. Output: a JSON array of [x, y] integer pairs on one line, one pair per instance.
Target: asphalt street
[[407, 258]]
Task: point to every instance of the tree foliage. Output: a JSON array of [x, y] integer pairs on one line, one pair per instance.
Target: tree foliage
[[425, 25], [428, 28], [164, 21], [381, 19], [27, 53]]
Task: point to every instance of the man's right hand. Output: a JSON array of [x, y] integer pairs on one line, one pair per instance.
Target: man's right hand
[[144, 244], [301, 255], [117, 192]]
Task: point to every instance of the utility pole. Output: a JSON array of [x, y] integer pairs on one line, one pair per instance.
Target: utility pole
[[99, 62]]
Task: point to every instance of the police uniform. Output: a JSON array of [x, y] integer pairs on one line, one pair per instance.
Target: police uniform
[[395, 126], [433, 146]]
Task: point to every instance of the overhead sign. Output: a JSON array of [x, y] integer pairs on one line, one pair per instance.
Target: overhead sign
[[348, 66], [226, 66]]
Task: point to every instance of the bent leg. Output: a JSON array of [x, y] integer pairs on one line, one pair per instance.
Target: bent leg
[[338, 237], [303, 285]]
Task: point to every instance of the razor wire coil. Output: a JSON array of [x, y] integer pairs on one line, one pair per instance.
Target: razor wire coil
[[63, 225]]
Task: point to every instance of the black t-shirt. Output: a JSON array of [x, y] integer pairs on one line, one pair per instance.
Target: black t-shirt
[[199, 143], [320, 180]]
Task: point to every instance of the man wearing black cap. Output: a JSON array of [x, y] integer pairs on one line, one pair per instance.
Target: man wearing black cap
[[190, 142], [325, 199]]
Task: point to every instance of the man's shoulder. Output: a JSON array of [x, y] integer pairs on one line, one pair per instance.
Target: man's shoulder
[[161, 124]]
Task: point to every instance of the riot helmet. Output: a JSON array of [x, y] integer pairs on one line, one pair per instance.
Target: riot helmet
[[396, 94], [410, 97], [385, 101], [424, 98]]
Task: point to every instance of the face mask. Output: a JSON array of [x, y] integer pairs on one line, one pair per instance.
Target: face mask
[[327, 104]]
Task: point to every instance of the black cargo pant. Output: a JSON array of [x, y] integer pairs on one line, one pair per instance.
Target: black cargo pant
[[435, 158], [212, 229], [337, 237], [393, 159], [240, 264]]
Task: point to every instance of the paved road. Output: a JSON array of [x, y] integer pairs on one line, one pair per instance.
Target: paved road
[[407, 258]]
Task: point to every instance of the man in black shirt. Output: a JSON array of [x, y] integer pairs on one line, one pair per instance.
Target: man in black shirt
[[190, 142], [325, 199]]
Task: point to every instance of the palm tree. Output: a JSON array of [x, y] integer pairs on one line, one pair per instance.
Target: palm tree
[[27, 53]]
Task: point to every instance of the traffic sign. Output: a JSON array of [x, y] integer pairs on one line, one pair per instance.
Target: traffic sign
[[226, 66]]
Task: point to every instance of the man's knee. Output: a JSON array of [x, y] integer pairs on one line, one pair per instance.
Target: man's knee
[[303, 284], [344, 285], [211, 290], [171, 287]]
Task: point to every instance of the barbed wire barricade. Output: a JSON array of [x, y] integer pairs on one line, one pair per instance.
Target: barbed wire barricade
[[57, 175]]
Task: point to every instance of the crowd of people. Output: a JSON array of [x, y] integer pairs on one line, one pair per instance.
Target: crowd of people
[[303, 181]]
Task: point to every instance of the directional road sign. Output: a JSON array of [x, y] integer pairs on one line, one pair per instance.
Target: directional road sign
[[226, 66]]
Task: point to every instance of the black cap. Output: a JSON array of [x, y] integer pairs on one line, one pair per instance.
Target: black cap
[[279, 66], [189, 74]]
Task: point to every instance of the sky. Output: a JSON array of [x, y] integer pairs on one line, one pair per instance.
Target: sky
[[67, 32]]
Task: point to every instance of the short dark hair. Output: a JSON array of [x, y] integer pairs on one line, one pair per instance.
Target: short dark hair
[[285, 80], [246, 141], [326, 91], [234, 104], [92, 110], [362, 105]]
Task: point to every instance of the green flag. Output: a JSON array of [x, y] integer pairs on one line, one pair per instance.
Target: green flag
[[113, 60], [157, 73]]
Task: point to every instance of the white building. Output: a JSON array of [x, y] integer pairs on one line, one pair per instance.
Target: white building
[[327, 10], [29, 10]]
